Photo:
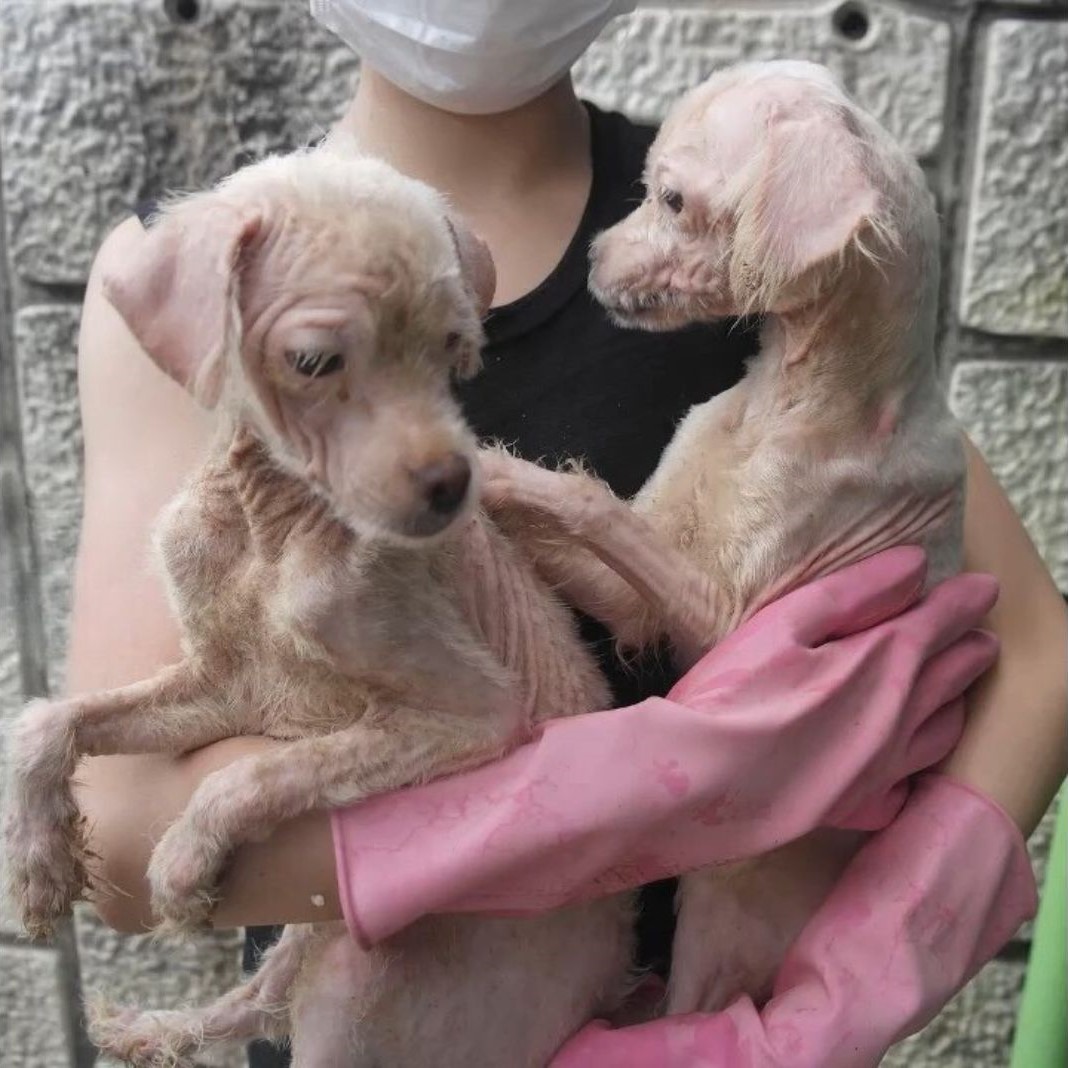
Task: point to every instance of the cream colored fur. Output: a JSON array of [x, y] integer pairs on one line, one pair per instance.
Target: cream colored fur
[[328, 598], [770, 192]]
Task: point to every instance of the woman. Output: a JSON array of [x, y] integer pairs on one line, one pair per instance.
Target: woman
[[537, 174]]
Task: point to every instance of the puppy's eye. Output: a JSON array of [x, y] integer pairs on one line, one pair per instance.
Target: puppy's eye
[[452, 340], [315, 363], [672, 199]]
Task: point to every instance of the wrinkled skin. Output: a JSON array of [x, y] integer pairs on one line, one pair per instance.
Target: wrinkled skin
[[769, 192], [337, 589]]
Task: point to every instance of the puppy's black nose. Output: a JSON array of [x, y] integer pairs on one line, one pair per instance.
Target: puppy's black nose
[[444, 483]]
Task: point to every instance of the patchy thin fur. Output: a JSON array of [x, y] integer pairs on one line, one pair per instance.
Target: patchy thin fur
[[768, 192], [337, 590]]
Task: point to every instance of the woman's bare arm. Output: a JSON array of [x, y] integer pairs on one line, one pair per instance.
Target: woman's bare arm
[[1015, 746], [143, 436]]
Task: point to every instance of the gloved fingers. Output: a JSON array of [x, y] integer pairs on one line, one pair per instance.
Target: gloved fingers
[[929, 745], [583, 1046], [855, 598], [948, 612], [934, 741], [946, 675], [873, 814]]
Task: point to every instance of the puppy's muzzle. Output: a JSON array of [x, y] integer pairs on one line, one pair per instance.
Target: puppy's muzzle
[[442, 486]]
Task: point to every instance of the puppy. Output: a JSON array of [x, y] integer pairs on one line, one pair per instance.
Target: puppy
[[336, 590], [768, 192]]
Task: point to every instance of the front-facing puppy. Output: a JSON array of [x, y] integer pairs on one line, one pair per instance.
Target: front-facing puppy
[[328, 570]]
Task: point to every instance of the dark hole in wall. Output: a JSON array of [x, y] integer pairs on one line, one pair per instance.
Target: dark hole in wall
[[185, 11], [851, 21]]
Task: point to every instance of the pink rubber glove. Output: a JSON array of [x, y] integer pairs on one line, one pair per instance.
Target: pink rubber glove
[[786, 726], [917, 913]]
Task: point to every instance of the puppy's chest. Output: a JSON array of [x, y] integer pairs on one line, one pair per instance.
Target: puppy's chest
[[374, 607], [456, 622]]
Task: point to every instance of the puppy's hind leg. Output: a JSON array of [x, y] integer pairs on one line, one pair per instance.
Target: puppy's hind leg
[[327, 1006], [258, 1008]]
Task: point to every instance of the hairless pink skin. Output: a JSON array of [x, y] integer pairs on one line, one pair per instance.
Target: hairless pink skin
[[757, 745], [916, 914]]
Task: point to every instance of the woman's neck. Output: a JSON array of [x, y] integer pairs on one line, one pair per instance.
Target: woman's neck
[[521, 178], [472, 158]]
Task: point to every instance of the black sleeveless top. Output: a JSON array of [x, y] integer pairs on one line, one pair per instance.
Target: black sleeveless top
[[560, 380]]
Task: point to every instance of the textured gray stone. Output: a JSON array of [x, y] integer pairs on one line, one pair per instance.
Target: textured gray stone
[[105, 103], [32, 1033], [1017, 414], [974, 1030], [10, 673], [157, 973], [899, 69], [45, 345], [10, 692], [1015, 278]]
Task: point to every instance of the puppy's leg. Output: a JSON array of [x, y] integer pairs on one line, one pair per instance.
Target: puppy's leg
[[258, 1008], [583, 580], [583, 510], [247, 800], [737, 921], [326, 1007], [45, 844]]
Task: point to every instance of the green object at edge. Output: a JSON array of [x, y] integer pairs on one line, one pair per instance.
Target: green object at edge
[[1042, 1025]]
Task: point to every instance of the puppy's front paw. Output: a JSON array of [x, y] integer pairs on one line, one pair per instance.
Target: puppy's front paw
[[45, 851], [182, 874], [46, 872], [563, 499]]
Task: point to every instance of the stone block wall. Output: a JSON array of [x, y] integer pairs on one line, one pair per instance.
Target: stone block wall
[[103, 102]]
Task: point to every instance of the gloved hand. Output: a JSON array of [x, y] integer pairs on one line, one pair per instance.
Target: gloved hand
[[810, 714], [918, 911]]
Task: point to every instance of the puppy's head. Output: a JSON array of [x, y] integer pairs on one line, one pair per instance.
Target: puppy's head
[[760, 185], [326, 300]]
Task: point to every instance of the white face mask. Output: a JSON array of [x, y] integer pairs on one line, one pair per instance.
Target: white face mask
[[472, 56]]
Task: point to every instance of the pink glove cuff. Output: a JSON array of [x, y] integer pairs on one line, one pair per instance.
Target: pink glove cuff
[[343, 862], [924, 905]]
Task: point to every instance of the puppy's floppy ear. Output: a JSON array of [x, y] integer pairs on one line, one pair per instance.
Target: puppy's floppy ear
[[178, 293], [810, 199], [476, 263]]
